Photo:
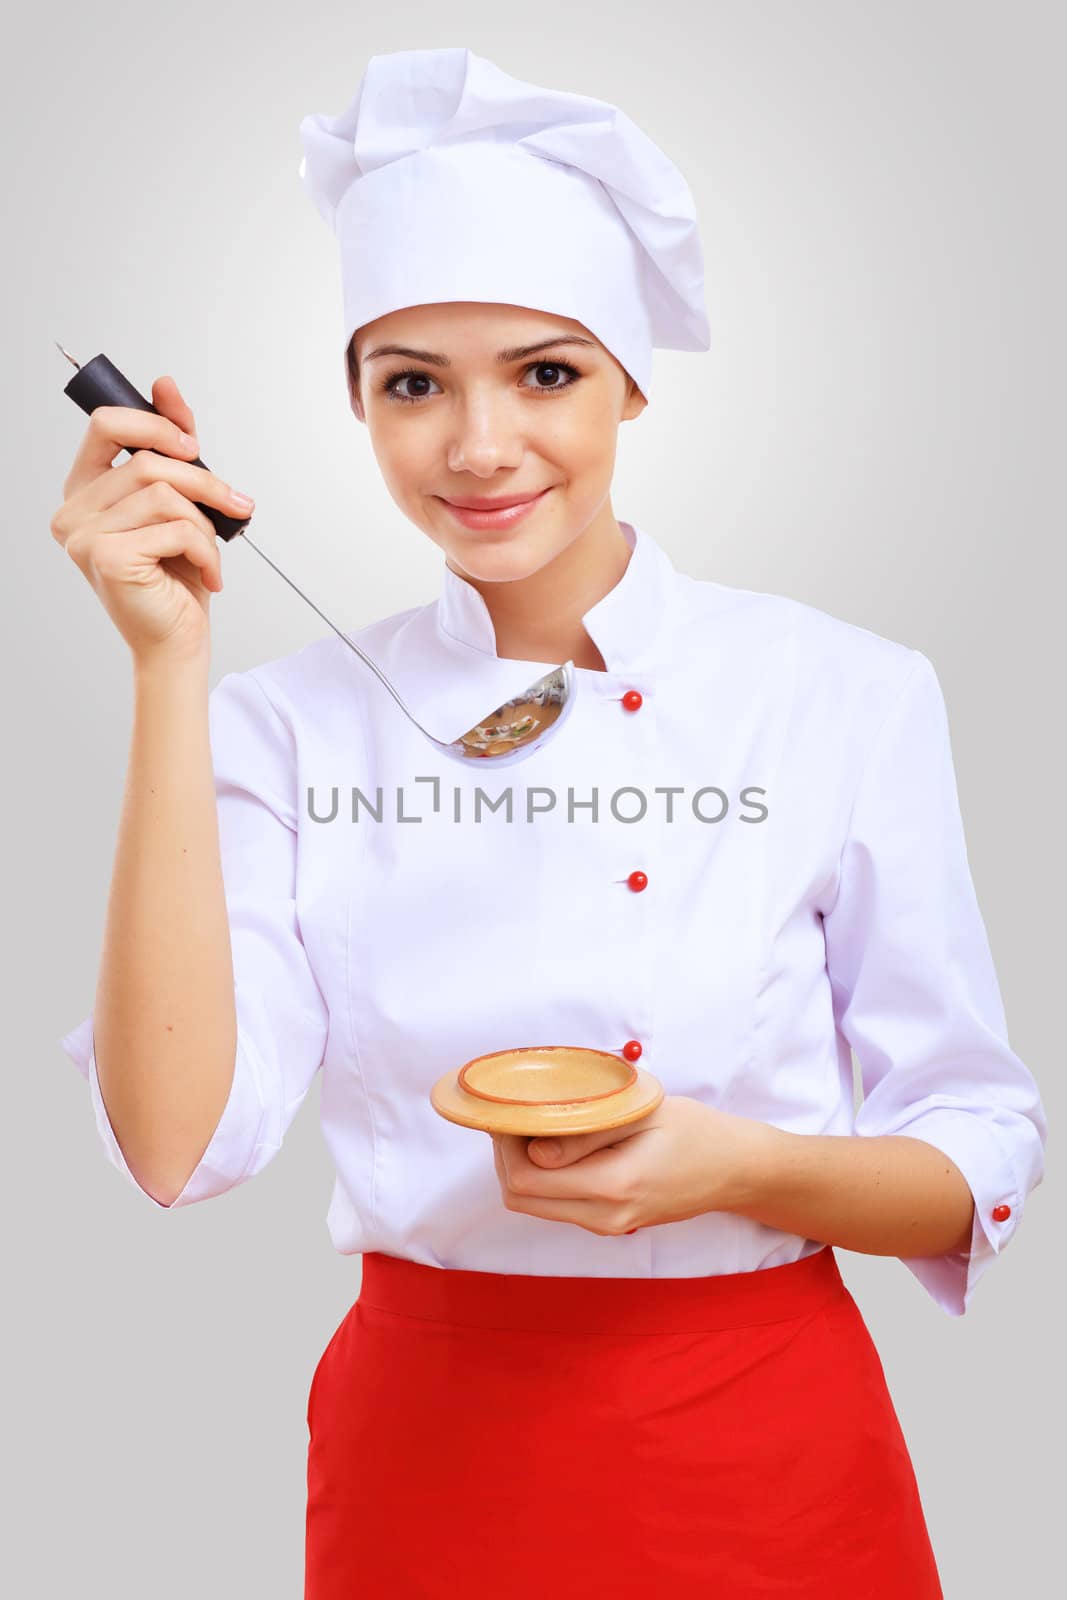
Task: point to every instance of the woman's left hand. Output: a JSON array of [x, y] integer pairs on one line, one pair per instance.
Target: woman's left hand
[[681, 1160]]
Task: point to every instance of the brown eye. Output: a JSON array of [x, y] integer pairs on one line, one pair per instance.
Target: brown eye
[[554, 369], [390, 388]]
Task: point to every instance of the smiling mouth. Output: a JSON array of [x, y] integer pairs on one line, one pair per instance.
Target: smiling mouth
[[503, 504], [496, 518]]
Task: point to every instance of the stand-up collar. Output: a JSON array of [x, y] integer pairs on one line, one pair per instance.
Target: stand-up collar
[[626, 624], [441, 657]]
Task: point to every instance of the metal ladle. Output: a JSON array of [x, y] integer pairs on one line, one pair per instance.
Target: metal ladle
[[509, 733]]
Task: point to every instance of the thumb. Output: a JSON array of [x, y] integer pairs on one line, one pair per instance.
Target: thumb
[[558, 1152]]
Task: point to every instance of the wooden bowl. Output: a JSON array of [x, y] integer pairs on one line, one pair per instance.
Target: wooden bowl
[[543, 1089]]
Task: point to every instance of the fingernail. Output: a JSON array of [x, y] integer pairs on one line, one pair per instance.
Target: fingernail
[[241, 499], [550, 1147], [189, 441]]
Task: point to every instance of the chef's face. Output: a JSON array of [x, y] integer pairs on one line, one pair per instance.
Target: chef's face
[[450, 420]]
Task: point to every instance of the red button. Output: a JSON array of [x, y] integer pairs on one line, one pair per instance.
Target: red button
[[631, 1050], [1001, 1213], [637, 880], [632, 700]]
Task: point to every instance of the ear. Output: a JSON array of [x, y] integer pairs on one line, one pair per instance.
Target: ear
[[354, 401], [635, 402]]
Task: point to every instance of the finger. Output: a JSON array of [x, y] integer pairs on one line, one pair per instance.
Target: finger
[[198, 484], [134, 556], [115, 428], [559, 1150], [598, 1176], [555, 1152], [157, 502], [513, 1148], [593, 1215]]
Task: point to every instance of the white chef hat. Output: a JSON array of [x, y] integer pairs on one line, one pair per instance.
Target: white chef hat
[[446, 179]]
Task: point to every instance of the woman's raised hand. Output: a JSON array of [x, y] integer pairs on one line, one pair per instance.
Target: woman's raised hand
[[135, 531]]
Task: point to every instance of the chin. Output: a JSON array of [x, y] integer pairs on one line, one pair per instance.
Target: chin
[[498, 559]]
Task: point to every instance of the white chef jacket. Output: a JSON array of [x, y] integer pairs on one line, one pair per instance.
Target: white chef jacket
[[786, 786]]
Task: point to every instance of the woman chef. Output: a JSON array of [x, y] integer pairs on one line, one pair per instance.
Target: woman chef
[[629, 1367]]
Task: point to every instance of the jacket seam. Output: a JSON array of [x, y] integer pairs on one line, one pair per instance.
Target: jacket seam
[[883, 720]]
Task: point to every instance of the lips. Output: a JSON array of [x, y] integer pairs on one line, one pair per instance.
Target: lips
[[501, 504], [498, 515]]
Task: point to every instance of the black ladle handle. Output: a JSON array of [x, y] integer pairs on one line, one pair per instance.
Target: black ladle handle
[[100, 383]]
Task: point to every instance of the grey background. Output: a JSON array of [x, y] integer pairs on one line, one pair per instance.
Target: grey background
[[874, 432]]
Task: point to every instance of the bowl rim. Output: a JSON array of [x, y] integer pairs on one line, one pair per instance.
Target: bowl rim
[[616, 1059]]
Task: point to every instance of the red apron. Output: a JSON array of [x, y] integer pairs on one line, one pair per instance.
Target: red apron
[[477, 1434]]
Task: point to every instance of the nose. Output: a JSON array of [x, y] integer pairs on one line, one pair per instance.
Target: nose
[[485, 437]]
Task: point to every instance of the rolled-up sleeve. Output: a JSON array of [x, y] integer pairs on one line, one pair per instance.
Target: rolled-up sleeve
[[282, 1017], [915, 990]]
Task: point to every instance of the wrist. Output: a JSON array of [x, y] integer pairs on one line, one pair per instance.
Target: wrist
[[762, 1150], [156, 673]]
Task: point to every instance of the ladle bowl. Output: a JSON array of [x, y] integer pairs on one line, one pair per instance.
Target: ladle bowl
[[511, 731]]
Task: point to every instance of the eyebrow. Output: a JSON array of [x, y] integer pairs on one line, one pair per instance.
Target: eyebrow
[[503, 356]]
